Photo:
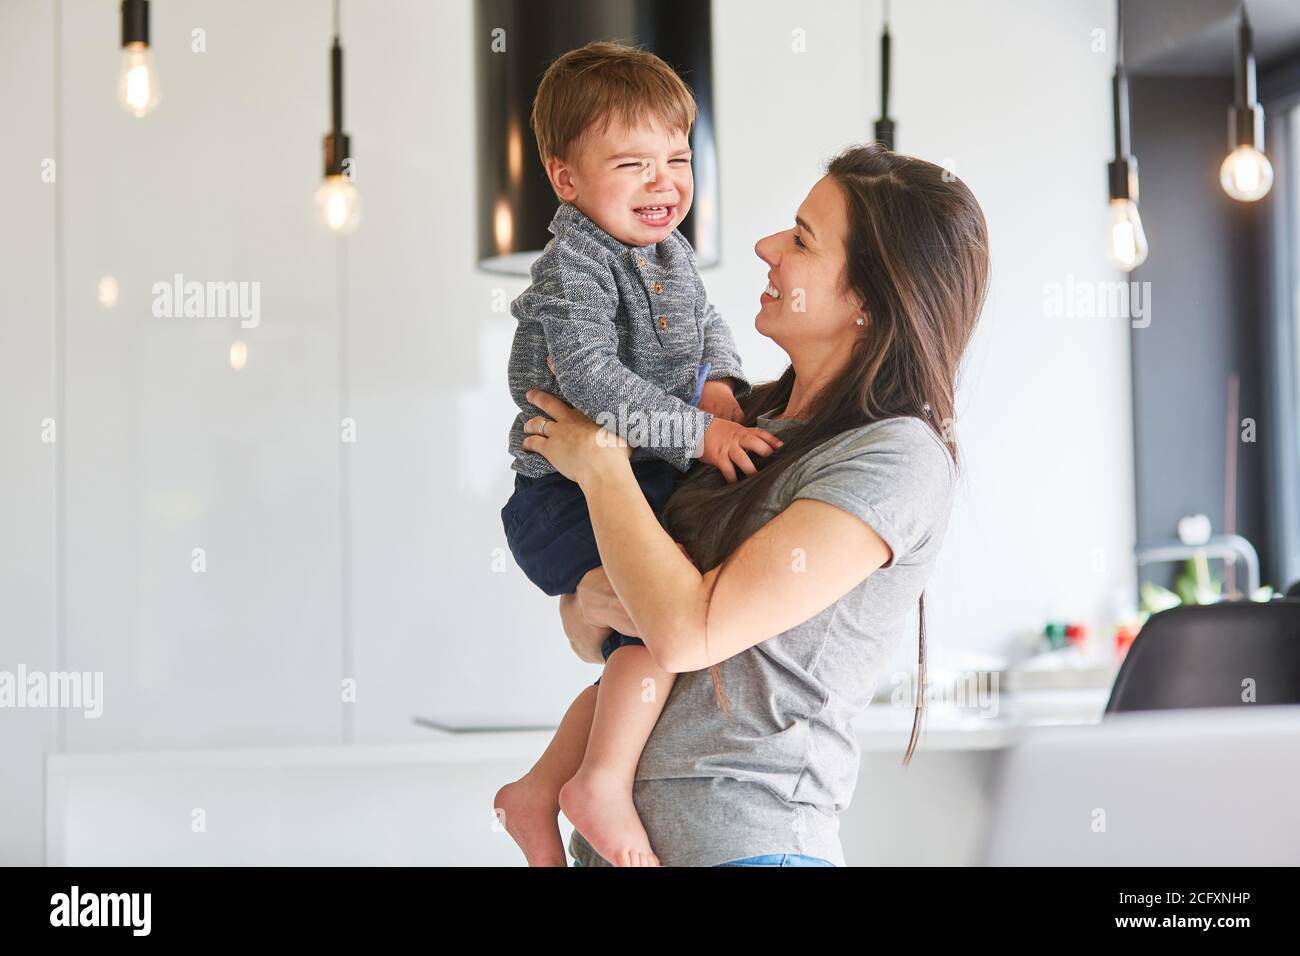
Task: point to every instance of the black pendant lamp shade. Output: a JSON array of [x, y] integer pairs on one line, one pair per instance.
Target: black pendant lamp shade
[[515, 199], [135, 22], [1121, 172], [338, 146], [885, 125]]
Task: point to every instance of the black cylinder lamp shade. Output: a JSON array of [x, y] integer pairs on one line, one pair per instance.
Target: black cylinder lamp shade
[[135, 22], [1245, 116], [885, 125], [515, 199], [337, 144]]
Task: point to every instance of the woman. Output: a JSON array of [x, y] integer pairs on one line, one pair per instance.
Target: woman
[[813, 559]]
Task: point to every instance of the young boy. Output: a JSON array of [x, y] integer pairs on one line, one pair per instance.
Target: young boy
[[616, 322]]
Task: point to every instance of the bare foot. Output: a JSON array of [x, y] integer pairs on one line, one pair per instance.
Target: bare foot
[[601, 809], [529, 813]]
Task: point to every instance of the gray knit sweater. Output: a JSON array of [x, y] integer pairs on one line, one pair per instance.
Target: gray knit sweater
[[627, 328]]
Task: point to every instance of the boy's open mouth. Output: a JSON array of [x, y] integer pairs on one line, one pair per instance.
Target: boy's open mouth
[[654, 215]]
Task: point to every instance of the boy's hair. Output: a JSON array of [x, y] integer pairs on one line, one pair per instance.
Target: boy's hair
[[603, 81]]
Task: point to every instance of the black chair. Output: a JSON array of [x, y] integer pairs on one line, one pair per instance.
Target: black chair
[[1199, 656]]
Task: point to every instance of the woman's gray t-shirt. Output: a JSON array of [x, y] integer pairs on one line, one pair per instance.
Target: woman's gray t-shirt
[[773, 776]]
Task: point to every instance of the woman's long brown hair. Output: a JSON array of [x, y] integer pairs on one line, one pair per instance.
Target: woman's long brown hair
[[917, 260]]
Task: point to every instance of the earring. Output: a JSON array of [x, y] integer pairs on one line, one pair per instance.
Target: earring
[[861, 321]]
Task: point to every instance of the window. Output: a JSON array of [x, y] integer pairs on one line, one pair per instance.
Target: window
[[1281, 328]]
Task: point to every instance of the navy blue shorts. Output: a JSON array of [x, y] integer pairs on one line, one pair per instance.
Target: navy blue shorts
[[549, 530]]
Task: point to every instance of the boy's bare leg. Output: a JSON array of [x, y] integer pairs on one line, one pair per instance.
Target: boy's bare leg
[[529, 807], [598, 799]]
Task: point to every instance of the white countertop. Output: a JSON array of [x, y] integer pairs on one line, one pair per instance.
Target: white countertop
[[881, 728]]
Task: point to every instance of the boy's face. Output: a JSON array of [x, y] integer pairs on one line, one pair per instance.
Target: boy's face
[[635, 183]]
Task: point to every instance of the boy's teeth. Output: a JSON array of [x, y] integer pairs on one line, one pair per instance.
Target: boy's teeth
[[772, 291], [652, 212]]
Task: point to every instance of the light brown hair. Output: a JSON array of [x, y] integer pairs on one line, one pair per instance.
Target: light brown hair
[[917, 260], [601, 82]]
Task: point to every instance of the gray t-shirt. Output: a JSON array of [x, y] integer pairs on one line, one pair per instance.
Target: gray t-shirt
[[773, 777]]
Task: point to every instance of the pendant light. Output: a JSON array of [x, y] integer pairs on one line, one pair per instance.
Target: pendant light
[[884, 125], [1128, 241], [1246, 174], [338, 204], [137, 83]]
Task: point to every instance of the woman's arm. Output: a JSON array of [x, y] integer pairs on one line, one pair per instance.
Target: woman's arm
[[793, 567], [789, 570], [593, 612]]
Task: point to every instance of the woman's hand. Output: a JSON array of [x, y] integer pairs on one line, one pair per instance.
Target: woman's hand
[[585, 639], [574, 444], [601, 607]]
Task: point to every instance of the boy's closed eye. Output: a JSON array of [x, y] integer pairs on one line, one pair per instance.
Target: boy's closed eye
[[635, 164]]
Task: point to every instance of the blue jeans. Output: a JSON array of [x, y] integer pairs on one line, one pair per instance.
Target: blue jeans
[[772, 859], [779, 859]]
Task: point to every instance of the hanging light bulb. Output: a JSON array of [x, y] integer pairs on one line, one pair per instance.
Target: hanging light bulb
[[1246, 174], [338, 204], [1128, 240], [137, 83], [137, 89]]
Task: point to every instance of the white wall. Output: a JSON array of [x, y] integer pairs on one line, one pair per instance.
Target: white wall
[[376, 560], [27, 396]]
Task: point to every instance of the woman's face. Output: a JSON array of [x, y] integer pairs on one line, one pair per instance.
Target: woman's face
[[806, 306]]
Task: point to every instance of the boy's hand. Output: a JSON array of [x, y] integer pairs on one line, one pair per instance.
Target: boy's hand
[[725, 444], [718, 398]]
